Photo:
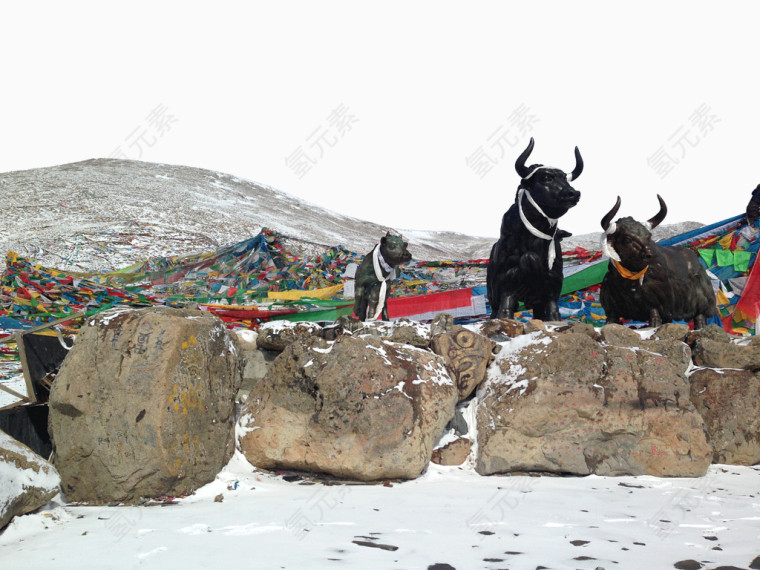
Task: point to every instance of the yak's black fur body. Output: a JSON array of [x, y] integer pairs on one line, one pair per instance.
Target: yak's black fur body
[[518, 267], [674, 286]]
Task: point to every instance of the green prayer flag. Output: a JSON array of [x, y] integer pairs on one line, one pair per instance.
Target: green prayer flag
[[591, 275], [741, 260], [707, 255], [725, 257]]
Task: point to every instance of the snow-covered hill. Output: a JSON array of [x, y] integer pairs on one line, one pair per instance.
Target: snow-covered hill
[[104, 214]]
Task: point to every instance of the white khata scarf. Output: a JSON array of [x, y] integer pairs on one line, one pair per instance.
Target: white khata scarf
[[533, 229], [607, 248], [379, 265]]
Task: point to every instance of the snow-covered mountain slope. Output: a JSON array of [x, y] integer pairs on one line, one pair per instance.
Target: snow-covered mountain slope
[[104, 214]]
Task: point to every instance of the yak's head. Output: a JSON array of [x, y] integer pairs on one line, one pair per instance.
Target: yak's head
[[549, 187], [630, 242], [394, 250]]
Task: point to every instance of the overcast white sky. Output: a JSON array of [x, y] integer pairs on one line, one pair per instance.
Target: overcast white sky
[[409, 114]]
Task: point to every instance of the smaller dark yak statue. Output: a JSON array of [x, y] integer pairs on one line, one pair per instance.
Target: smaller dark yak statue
[[649, 282], [526, 263], [373, 274]]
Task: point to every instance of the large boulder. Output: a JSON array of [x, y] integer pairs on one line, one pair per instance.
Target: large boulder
[[729, 402], [360, 408], [27, 482], [569, 404], [144, 405]]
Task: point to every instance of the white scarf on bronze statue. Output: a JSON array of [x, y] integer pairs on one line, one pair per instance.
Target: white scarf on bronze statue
[[379, 264], [533, 229]]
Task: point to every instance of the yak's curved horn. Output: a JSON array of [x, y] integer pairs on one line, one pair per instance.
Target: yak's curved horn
[[578, 165], [520, 167], [611, 214], [657, 219]]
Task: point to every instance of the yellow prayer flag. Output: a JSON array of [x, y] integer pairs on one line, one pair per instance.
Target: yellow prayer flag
[[295, 294]]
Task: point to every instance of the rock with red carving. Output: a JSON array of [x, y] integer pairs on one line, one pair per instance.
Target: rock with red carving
[[566, 403], [729, 401]]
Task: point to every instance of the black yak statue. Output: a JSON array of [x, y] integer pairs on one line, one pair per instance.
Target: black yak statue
[[526, 263], [649, 282]]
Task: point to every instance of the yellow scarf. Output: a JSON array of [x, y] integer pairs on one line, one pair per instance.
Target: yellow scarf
[[627, 273]]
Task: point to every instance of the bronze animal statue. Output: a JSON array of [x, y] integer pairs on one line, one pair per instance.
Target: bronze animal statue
[[649, 282], [373, 275], [526, 263]]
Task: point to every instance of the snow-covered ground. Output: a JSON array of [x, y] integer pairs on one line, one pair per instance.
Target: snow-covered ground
[[450, 515]]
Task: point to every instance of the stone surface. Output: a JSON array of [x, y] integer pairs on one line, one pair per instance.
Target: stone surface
[[618, 335], [453, 453], [535, 325], [567, 404], [406, 331], [718, 354], [276, 335], [679, 352], [672, 331], [403, 331], [583, 328], [501, 328], [27, 482], [467, 355], [442, 323], [256, 360], [729, 402], [715, 332], [144, 405], [360, 408]]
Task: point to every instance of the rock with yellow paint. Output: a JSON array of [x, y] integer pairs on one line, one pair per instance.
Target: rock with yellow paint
[[358, 408], [144, 405]]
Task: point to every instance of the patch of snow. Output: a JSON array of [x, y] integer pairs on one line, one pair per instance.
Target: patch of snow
[[381, 352], [15, 382], [244, 427], [646, 332], [275, 327], [521, 385], [15, 481]]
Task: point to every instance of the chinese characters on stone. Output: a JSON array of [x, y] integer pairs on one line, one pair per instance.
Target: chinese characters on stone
[[307, 155], [155, 125], [700, 123], [518, 125]]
